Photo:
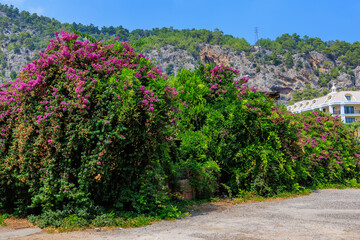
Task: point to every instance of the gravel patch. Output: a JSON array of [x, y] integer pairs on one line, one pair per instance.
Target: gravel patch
[[19, 233], [326, 214]]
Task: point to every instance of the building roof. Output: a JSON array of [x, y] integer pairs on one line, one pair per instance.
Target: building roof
[[330, 99]]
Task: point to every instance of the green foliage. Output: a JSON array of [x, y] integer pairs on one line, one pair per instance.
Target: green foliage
[[288, 60], [245, 196], [153, 39], [60, 219], [334, 73], [299, 64], [354, 126], [67, 221], [13, 75], [218, 131], [272, 59], [327, 65], [257, 147], [94, 134], [3, 217], [351, 57], [84, 35], [346, 52], [308, 93], [325, 91], [195, 164], [172, 212], [169, 69], [87, 136], [104, 220], [43, 28], [287, 41], [324, 79], [353, 183], [188, 39]]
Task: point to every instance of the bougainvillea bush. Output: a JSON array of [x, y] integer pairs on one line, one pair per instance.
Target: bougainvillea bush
[[89, 128], [236, 139], [328, 148], [86, 125]]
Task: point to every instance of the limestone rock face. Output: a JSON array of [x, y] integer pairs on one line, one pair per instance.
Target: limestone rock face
[[12, 60], [213, 55], [317, 60], [16, 61], [172, 61], [262, 73], [357, 77], [266, 71], [254, 64]]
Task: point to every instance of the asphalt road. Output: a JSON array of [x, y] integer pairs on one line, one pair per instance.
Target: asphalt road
[[326, 214]]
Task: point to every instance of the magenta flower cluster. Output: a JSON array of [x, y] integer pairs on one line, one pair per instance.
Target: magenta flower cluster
[[74, 59], [83, 66], [219, 77], [148, 98]]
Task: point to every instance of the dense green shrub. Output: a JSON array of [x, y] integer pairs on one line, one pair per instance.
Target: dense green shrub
[[307, 94], [247, 143], [329, 149], [234, 132], [89, 127], [288, 60], [87, 124]]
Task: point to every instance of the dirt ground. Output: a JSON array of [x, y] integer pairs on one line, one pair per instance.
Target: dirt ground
[[15, 224], [326, 214]]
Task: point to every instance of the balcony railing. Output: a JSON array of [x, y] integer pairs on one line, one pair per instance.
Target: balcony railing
[[354, 112]]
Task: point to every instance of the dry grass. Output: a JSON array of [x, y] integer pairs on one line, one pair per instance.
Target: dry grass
[[18, 223]]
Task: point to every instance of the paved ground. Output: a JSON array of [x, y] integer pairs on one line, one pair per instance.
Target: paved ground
[[18, 233], [327, 214]]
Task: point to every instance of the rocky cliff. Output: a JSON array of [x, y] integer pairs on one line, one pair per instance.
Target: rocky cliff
[[13, 57], [264, 75], [294, 63], [307, 68]]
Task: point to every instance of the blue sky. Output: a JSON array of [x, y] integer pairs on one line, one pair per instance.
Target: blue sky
[[327, 19]]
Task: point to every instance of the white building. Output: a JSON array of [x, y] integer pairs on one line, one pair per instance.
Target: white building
[[344, 104]]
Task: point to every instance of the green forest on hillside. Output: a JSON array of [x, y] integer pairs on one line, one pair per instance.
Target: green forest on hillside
[[33, 32], [30, 32]]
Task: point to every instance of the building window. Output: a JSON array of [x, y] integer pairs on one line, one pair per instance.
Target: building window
[[349, 120], [349, 109], [348, 98]]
